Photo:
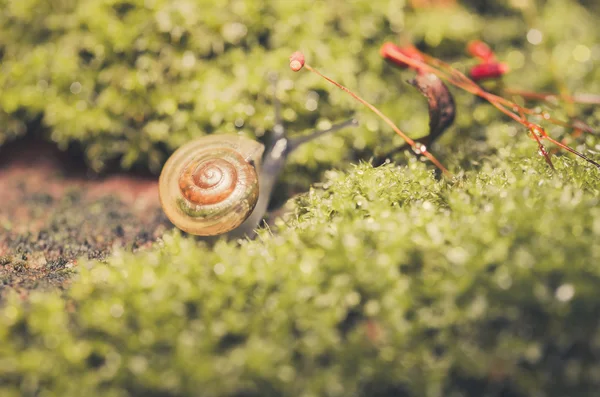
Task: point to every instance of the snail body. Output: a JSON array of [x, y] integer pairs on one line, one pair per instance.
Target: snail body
[[222, 184], [210, 185]]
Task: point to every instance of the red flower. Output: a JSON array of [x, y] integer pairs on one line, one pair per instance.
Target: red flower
[[485, 71], [393, 53], [479, 49]]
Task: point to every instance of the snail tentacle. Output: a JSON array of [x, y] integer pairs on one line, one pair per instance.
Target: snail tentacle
[[272, 167]]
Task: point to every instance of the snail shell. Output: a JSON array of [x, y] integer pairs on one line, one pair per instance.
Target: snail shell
[[209, 186]]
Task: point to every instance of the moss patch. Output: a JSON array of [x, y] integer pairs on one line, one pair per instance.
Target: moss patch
[[382, 281], [385, 282]]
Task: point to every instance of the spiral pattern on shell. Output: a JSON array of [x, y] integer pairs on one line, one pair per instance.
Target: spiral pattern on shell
[[210, 186]]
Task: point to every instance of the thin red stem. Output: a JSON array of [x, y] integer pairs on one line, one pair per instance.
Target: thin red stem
[[541, 147], [589, 99], [417, 147], [586, 99], [458, 79]]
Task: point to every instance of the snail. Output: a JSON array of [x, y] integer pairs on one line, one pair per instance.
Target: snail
[[210, 186], [220, 184]]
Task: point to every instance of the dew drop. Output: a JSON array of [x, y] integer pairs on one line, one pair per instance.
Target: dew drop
[[565, 292], [75, 87], [534, 36], [219, 268]]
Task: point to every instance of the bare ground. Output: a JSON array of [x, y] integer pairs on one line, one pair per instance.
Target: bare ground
[[53, 211]]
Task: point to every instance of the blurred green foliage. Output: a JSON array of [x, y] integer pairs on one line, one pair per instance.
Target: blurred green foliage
[[382, 281], [132, 80]]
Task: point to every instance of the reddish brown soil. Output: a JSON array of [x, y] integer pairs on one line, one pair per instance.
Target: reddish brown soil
[[54, 211]]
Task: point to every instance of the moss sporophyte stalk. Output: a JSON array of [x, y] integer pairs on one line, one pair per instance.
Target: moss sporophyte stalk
[[411, 57], [423, 63], [297, 62]]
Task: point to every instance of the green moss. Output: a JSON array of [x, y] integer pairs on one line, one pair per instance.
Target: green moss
[[386, 280], [381, 281]]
